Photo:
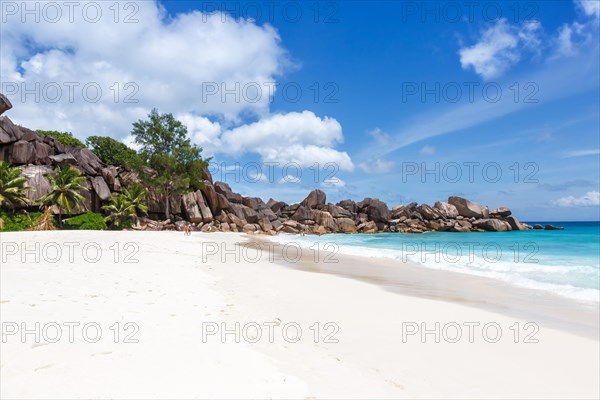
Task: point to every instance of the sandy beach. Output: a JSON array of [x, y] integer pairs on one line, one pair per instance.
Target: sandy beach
[[162, 315]]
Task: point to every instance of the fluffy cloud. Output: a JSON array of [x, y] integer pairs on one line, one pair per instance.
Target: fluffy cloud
[[590, 8], [569, 38], [587, 200], [296, 137], [187, 64], [169, 63], [499, 48]]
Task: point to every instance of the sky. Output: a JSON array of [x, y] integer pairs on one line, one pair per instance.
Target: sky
[[407, 101]]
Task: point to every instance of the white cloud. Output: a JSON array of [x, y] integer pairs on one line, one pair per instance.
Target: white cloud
[[378, 165], [587, 200], [203, 132], [569, 39], [380, 136], [499, 48], [580, 153], [333, 182], [590, 8], [427, 151], [289, 179], [130, 142], [173, 63], [296, 137]]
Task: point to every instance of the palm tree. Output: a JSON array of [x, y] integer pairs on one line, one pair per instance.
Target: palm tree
[[66, 185], [12, 186], [120, 211], [136, 195]]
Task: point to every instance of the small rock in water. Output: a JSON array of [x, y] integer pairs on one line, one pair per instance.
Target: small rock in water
[[550, 227]]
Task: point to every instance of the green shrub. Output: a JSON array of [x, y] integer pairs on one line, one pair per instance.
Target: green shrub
[[65, 138], [20, 221], [88, 221], [113, 152]]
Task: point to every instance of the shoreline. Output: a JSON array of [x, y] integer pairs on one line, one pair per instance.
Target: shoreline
[[418, 280], [181, 283]]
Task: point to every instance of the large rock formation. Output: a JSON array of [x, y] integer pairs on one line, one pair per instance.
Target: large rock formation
[[216, 207]]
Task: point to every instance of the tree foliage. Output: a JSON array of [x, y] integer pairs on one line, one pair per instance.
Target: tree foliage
[[113, 152], [12, 186], [120, 211], [136, 195], [65, 138], [176, 164], [67, 183]]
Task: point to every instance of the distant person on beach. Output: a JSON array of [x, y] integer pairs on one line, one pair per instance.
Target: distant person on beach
[[186, 230]]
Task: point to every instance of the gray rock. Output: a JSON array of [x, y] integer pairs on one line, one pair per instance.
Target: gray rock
[[224, 189], [37, 180], [265, 224], [254, 203], [277, 206], [315, 199], [551, 227], [5, 104], [348, 205], [207, 215], [446, 209], [467, 208], [212, 197], [190, 208], [324, 219], [303, 213], [110, 176], [345, 225], [23, 152], [492, 225], [515, 224], [500, 212], [100, 188], [65, 158], [375, 209], [244, 212], [267, 213], [429, 213]]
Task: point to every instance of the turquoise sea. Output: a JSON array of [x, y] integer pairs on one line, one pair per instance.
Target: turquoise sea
[[564, 262]]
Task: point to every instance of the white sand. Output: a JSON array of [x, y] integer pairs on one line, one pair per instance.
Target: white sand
[[171, 292]]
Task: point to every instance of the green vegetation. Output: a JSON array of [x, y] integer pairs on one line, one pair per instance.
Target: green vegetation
[[167, 163], [89, 221], [113, 152], [136, 195], [20, 221], [65, 138], [120, 212], [165, 147], [12, 186], [67, 183]]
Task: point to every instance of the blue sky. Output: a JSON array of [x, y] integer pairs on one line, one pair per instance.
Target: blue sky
[[379, 95]]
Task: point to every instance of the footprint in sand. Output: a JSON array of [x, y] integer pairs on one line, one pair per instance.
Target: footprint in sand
[[44, 367], [104, 353]]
